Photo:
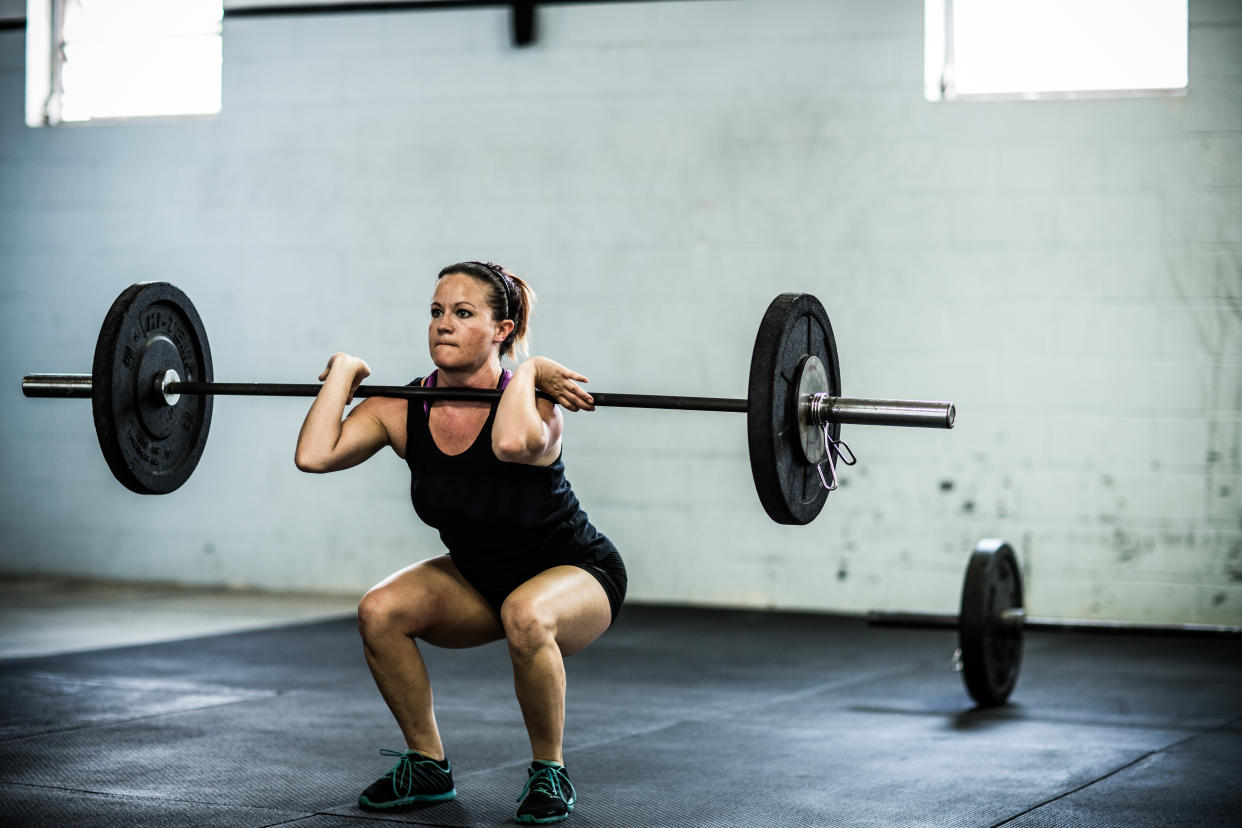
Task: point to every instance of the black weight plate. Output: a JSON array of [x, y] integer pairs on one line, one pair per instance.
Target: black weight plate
[[794, 326], [991, 650], [151, 447]]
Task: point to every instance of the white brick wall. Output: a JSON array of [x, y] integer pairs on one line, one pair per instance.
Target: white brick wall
[[1067, 272]]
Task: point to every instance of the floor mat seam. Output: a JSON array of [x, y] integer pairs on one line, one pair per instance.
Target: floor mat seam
[[724, 712], [1073, 791], [141, 798], [115, 722], [300, 815], [364, 818], [1144, 757]]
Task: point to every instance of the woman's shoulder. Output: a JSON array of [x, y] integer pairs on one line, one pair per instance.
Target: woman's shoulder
[[390, 411]]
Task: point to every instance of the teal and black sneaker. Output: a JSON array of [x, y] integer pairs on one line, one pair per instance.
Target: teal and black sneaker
[[414, 780], [548, 797]]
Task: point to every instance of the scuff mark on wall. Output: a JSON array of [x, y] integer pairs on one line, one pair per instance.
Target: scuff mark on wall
[[1233, 563], [1128, 546]]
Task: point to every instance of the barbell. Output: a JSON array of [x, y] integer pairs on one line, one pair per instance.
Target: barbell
[[151, 392], [993, 619]]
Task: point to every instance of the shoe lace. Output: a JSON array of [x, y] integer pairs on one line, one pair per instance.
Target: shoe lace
[[402, 773], [548, 782]]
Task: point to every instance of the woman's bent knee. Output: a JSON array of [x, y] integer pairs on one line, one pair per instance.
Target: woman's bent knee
[[382, 613], [527, 627]]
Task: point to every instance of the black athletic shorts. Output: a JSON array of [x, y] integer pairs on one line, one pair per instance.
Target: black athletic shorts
[[610, 572]]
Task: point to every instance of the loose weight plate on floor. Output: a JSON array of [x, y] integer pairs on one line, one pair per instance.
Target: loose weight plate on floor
[[991, 649], [151, 447], [795, 326]]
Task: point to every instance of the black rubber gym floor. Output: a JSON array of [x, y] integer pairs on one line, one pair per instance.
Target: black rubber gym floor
[[677, 717]]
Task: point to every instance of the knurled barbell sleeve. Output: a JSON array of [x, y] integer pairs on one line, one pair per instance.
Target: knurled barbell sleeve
[[909, 413], [57, 385]]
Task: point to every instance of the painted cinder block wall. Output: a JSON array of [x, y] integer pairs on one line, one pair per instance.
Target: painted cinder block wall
[[1067, 272]]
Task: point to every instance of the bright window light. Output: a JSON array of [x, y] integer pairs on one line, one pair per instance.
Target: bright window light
[[1054, 48], [133, 59]]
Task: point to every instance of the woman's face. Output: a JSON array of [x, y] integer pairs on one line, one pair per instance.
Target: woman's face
[[462, 333]]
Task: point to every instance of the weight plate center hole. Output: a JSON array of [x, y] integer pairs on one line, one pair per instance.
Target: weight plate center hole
[[158, 359]]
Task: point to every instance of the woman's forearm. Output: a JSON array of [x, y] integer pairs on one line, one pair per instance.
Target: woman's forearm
[[519, 434], [322, 429]]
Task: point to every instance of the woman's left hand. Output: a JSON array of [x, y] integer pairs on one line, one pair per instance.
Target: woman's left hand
[[561, 384]]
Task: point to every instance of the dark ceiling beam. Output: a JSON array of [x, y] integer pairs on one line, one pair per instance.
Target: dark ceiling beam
[[522, 16]]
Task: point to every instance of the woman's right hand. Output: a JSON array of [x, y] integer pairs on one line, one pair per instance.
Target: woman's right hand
[[353, 367], [325, 443], [561, 384]]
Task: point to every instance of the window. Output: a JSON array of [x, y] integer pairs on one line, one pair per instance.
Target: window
[[105, 59], [1029, 49]]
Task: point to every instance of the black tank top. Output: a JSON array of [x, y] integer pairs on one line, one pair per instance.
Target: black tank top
[[499, 520]]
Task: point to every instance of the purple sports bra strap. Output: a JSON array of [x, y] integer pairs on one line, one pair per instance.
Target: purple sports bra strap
[[430, 382]]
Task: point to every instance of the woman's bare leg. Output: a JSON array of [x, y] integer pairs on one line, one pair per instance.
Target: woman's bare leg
[[553, 615], [429, 600]]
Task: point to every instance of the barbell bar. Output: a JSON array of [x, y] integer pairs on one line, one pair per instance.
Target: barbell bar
[[845, 410], [1017, 619], [993, 620], [151, 389]]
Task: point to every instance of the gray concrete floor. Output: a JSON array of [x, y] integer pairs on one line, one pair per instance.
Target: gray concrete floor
[[47, 616]]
